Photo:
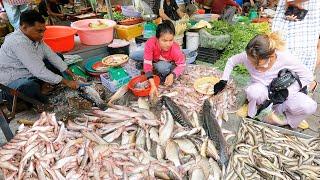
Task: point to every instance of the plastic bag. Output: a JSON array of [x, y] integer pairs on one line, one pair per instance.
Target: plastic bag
[[215, 42]]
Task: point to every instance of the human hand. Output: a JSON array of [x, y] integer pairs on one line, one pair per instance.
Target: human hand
[[219, 86], [169, 80], [239, 9], [71, 84]]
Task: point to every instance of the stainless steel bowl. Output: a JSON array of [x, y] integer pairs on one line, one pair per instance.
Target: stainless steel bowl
[[149, 17]]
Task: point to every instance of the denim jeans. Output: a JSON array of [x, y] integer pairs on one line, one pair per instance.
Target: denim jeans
[[30, 86], [14, 12], [162, 68]]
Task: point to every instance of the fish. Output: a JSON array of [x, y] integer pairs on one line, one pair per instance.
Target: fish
[[176, 112], [118, 94], [89, 93], [172, 153], [186, 146], [214, 132], [166, 129], [197, 174]]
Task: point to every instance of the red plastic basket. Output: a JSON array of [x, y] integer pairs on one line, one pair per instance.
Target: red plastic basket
[[142, 92]]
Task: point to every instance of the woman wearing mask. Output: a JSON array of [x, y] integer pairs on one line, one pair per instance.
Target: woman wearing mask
[[163, 56], [264, 61]]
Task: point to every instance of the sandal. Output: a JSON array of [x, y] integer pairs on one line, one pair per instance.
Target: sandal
[[314, 89]]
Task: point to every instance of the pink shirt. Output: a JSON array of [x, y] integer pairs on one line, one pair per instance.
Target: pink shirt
[[284, 60], [153, 53]]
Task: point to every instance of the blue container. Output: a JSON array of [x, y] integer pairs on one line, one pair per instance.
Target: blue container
[[240, 2]]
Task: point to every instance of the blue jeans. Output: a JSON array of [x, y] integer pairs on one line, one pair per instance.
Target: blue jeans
[[163, 68], [14, 12]]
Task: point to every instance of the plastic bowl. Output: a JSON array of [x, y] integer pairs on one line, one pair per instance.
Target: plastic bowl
[[142, 92], [59, 38], [91, 36]]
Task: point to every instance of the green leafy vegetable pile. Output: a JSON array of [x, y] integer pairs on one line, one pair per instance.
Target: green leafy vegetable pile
[[241, 34]]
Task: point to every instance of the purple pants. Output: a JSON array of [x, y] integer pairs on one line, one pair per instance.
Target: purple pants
[[297, 107]]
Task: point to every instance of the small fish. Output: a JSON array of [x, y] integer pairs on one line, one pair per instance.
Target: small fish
[[117, 95], [92, 95], [172, 153], [176, 112], [197, 174]]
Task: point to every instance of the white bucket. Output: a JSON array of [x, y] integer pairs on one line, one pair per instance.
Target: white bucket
[[192, 40], [179, 39]]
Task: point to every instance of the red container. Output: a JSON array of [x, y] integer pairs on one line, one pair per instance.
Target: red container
[[59, 38], [201, 11], [143, 92]]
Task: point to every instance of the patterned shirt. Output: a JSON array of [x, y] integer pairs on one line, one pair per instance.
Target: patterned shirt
[[21, 57], [153, 53], [301, 36]]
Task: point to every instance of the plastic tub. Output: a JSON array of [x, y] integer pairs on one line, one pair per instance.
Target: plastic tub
[[192, 40], [59, 38], [179, 39], [142, 92], [129, 11], [90, 36], [192, 58]]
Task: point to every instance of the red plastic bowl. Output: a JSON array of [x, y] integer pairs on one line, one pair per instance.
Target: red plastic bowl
[[59, 38], [142, 92]]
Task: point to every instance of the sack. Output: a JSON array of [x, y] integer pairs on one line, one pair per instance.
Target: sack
[[278, 88], [18, 2]]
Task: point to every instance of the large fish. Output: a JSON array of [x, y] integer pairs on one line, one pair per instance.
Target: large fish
[[214, 132], [176, 112], [92, 95]]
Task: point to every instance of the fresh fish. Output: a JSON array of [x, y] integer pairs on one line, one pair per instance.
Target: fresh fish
[[176, 112], [172, 153], [166, 130], [92, 95], [197, 174], [214, 132], [117, 95], [186, 146]]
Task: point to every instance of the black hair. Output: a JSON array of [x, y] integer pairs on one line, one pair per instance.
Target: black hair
[[264, 45], [165, 27], [30, 17]]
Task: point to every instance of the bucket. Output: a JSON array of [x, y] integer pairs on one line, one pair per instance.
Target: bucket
[[179, 39], [91, 36], [59, 38], [192, 40]]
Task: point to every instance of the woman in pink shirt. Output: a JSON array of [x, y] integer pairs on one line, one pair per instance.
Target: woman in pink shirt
[[162, 56], [264, 60]]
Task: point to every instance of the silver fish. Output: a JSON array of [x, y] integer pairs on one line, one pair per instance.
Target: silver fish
[[92, 95]]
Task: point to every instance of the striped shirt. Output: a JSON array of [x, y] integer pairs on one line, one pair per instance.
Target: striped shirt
[[301, 36], [20, 57], [153, 53]]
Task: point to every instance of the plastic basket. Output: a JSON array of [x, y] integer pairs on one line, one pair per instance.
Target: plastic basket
[[114, 84], [190, 59], [208, 55]]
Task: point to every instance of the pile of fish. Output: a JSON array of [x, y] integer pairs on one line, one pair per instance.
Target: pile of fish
[[118, 143], [184, 94], [263, 153]]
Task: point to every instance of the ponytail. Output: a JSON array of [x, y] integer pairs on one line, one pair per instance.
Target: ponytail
[[275, 41]]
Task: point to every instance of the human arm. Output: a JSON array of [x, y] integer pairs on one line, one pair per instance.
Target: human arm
[[231, 63], [233, 3]]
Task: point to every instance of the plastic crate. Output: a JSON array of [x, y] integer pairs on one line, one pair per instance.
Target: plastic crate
[[113, 85], [129, 32], [208, 55], [117, 73], [131, 70]]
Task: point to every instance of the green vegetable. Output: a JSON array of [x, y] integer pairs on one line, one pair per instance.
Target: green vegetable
[[118, 16], [240, 34]]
